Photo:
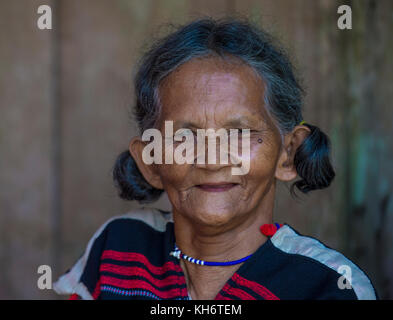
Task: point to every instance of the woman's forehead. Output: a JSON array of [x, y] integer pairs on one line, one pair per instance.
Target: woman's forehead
[[212, 87], [210, 74]]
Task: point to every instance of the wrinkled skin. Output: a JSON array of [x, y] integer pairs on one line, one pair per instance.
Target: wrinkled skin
[[224, 224]]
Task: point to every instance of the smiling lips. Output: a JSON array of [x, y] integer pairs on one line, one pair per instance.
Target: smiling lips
[[216, 187]]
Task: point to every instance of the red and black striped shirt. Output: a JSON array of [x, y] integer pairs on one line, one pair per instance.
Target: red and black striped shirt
[[129, 258]]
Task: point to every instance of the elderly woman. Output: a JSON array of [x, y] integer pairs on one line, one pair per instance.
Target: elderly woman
[[219, 240]]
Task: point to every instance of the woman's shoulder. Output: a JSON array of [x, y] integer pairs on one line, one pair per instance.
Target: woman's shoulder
[[114, 236], [149, 218], [306, 250], [136, 224]]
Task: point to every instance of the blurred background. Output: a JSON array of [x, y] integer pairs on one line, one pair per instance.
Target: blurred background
[[65, 96]]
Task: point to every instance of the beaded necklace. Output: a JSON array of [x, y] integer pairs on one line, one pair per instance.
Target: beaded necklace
[[266, 229], [180, 255]]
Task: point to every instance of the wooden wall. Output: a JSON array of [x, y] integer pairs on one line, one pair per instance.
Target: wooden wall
[[64, 100]]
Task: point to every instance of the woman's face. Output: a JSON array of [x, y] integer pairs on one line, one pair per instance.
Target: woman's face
[[209, 93]]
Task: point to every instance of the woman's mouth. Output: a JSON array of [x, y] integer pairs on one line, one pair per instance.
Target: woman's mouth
[[216, 187]]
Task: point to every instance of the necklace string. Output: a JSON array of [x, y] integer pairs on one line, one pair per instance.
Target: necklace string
[[180, 255], [266, 229]]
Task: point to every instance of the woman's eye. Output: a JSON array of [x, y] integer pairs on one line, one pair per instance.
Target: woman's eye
[[246, 131], [181, 136]]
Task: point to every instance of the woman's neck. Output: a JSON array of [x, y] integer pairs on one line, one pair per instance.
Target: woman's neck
[[232, 243]]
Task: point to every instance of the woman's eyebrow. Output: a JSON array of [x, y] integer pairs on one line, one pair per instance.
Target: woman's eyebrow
[[232, 123], [244, 122], [185, 124]]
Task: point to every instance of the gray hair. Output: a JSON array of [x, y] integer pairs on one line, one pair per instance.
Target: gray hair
[[225, 38]]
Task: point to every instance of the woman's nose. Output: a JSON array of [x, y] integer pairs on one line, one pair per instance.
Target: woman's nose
[[213, 155]]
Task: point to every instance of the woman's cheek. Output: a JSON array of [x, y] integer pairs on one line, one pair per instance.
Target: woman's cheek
[[174, 175], [262, 159]]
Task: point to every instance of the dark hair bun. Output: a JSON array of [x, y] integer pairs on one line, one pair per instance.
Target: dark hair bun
[[312, 162], [130, 182]]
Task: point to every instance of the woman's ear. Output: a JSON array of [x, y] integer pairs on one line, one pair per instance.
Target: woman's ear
[[149, 171], [285, 169]]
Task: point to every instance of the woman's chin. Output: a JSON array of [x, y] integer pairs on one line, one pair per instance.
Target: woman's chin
[[213, 215], [212, 208]]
